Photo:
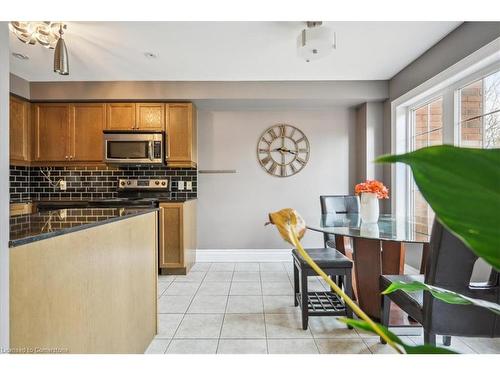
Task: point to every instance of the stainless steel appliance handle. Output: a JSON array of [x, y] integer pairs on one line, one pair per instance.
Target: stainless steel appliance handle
[[150, 150]]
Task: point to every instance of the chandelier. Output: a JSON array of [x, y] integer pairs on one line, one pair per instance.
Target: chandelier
[[45, 33], [48, 34]]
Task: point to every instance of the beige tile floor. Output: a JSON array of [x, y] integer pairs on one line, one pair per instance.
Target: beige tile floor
[[238, 308]]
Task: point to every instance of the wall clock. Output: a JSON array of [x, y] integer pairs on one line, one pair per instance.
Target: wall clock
[[283, 150]]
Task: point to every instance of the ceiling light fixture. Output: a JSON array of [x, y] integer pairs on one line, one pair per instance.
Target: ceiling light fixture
[[150, 55], [20, 56], [32, 32], [61, 61], [316, 41], [46, 33]]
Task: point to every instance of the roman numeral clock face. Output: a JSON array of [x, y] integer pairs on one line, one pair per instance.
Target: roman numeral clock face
[[283, 150]]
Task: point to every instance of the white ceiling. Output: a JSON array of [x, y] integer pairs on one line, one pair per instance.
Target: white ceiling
[[228, 51]]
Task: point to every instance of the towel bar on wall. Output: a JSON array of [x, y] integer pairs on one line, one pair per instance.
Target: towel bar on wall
[[215, 171]]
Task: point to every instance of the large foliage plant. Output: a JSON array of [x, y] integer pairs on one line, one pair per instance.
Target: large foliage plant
[[462, 186]]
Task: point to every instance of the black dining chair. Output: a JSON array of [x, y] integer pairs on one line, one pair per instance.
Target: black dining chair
[[340, 204], [449, 265], [337, 204]]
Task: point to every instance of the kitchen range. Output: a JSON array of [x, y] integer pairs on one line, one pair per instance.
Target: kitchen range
[[176, 219]]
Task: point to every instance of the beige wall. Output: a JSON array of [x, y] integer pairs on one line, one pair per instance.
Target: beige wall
[[369, 141], [232, 208]]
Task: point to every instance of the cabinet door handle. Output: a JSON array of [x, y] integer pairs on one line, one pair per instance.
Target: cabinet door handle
[[66, 157]]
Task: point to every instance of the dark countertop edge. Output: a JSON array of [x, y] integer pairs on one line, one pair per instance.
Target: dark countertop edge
[[63, 200], [44, 236]]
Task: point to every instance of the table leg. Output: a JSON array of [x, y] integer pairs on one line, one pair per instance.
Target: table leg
[[367, 261], [393, 258]]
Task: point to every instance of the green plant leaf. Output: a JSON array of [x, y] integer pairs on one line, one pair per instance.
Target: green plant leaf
[[442, 294], [427, 349], [361, 324], [418, 349], [462, 185]]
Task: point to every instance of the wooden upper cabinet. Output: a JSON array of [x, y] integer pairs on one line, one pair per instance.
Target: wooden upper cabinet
[[181, 135], [19, 131], [51, 132], [150, 116], [120, 116], [87, 122]]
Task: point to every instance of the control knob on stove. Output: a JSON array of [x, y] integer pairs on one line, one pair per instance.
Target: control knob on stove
[[129, 182], [157, 182], [122, 183], [163, 183]]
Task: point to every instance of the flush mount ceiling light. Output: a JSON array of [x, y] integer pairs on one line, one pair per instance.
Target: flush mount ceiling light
[[48, 34], [316, 41]]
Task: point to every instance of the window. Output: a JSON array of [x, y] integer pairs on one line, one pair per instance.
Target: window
[[479, 122], [459, 106], [426, 130]]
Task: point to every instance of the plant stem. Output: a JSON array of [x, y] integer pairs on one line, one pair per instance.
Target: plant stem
[[355, 308]]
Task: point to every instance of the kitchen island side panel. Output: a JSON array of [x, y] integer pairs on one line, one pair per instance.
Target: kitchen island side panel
[[91, 291]]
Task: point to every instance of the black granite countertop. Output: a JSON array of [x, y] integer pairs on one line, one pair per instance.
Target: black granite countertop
[[74, 203], [46, 224]]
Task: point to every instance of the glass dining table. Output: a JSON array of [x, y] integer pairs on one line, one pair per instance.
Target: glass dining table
[[377, 248]]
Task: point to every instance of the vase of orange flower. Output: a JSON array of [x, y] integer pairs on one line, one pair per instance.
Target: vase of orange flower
[[370, 192]]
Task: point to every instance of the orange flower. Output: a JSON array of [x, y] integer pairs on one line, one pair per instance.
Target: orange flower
[[373, 186]]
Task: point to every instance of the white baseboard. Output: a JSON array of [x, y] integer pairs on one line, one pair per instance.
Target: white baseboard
[[243, 255]]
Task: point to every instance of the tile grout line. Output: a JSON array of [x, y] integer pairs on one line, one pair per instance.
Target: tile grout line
[[185, 312], [225, 310], [470, 347], [263, 312], [366, 344], [171, 338]]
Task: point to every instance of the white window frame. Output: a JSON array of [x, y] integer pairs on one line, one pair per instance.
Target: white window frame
[[409, 208], [483, 73], [446, 84]]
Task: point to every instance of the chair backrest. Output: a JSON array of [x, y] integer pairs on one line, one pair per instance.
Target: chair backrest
[[339, 204], [450, 265]]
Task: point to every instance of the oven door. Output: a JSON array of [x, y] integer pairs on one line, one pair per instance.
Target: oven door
[[133, 148]]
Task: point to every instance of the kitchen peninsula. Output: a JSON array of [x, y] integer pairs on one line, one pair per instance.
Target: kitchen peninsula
[[83, 280]]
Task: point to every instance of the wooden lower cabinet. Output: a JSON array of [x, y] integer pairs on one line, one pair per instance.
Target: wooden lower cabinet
[[177, 237]]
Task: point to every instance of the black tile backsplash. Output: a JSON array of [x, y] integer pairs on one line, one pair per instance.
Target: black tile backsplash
[[30, 183], [20, 189]]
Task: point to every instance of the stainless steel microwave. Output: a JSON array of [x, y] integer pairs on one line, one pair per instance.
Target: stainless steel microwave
[[125, 147]]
